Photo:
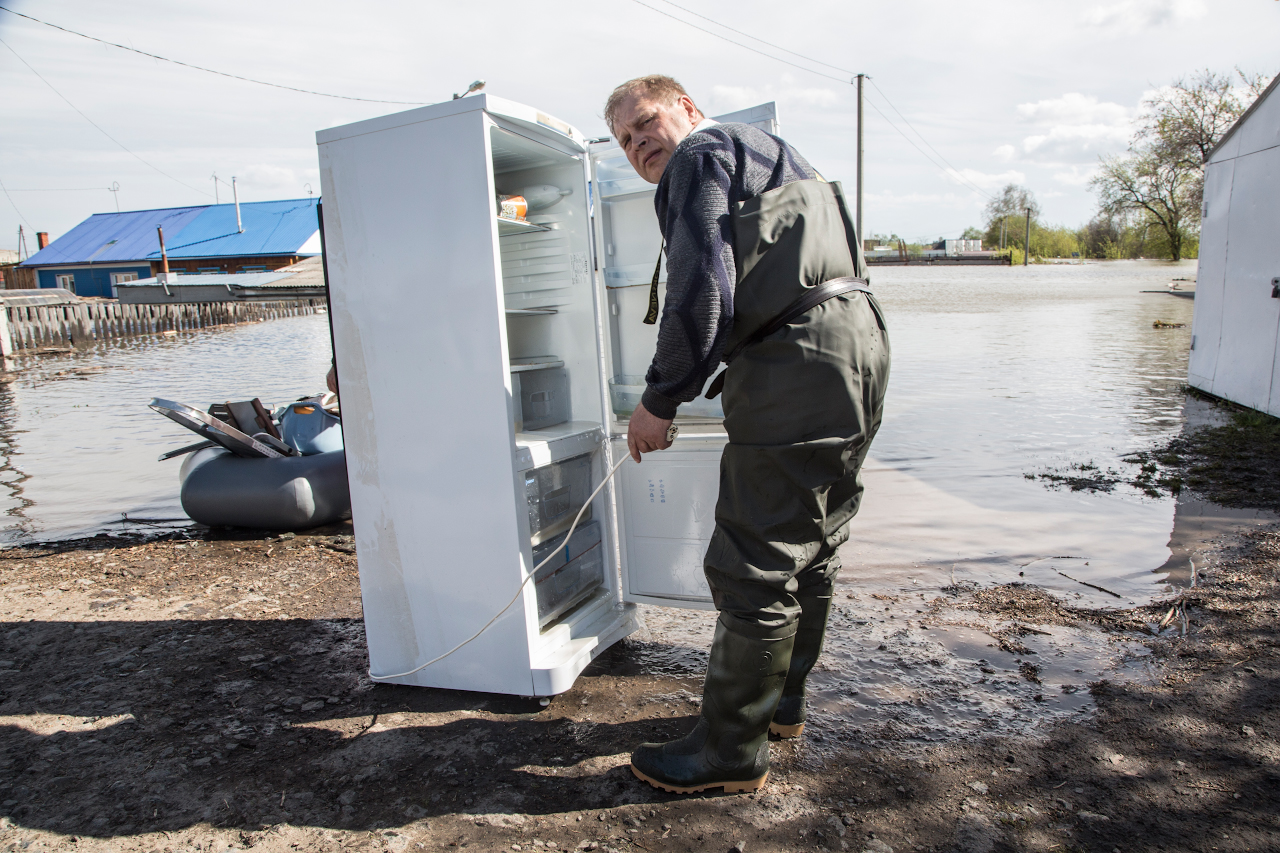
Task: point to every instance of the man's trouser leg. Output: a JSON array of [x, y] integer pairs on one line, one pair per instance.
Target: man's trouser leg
[[815, 597]]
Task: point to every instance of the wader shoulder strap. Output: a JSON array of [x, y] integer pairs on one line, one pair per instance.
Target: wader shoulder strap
[[651, 316], [806, 302]]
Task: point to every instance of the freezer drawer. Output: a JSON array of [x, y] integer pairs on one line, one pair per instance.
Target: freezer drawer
[[668, 515], [554, 494], [572, 575]]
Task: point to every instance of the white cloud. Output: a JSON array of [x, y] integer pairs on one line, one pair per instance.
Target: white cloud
[[1079, 142], [1075, 176], [984, 181], [1071, 128], [262, 181], [1131, 15], [725, 99], [1074, 108]]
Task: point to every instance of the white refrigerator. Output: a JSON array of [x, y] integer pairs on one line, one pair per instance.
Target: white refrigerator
[[488, 364]]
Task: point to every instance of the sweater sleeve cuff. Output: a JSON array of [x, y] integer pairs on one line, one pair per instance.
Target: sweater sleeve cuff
[[659, 405]]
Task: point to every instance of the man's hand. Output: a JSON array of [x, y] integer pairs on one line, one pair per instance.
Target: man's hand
[[646, 433]]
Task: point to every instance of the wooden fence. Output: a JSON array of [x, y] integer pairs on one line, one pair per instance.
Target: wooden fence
[[32, 327]]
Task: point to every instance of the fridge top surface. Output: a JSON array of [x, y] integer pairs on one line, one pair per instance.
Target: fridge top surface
[[518, 113]]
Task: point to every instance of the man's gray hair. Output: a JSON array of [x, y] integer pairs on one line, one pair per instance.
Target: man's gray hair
[[659, 87]]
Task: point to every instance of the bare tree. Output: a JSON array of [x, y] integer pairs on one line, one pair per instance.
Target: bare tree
[[1189, 117], [1162, 175], [1008, 209], [1163, 188]]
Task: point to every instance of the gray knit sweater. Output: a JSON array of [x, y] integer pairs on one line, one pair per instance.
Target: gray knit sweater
[[708, 175]]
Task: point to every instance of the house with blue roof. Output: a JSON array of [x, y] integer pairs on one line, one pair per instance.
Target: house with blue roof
[[112, 248]]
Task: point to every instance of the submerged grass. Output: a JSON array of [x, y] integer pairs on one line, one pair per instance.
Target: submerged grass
[[1236, 464]]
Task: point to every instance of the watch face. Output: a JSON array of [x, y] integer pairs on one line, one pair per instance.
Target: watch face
[[672, 432]]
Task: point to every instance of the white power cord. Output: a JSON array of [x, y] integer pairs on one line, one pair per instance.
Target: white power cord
[[525, 583]]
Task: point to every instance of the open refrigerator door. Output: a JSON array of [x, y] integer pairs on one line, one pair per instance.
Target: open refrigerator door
[[665, 505]]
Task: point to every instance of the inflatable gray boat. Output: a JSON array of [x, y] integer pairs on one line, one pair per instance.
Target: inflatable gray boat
[[265, 480], [221, 489]]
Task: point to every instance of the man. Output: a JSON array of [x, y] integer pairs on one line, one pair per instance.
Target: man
[[765, 272]]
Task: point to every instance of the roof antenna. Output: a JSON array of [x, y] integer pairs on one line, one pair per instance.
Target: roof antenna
[[216, 200], [235, 193]]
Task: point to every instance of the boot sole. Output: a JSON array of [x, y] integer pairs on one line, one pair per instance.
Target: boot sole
[[729, 787], [785, 732]]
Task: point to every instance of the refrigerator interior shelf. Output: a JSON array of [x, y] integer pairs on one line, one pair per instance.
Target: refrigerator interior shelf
[[507, 227], [544, 446], [531, 312]]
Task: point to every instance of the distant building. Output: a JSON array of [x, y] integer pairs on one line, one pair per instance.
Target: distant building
[[8, 260], [303, 280], [113, 248], [957, 247], [1236, 330]]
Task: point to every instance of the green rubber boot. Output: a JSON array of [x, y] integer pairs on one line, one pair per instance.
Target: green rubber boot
[[788, 719], [729, 748]]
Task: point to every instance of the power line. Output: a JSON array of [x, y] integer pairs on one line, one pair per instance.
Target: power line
[[95, 124], [762, 41], [919, 134], [15, 207], [954, 173], [59, 190], [209, 70], [738, 43]]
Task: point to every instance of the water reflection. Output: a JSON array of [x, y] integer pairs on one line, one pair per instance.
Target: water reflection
[[1000, 373], [79, 445]]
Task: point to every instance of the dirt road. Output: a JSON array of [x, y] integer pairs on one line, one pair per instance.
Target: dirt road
[[213, 695]]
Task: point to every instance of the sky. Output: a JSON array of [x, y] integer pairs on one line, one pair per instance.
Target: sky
[[992, 92]]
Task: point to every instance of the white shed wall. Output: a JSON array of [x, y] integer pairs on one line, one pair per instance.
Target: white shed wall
[[1236, 330]]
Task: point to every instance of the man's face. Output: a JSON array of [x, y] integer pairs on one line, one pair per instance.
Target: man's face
[[649, 131]]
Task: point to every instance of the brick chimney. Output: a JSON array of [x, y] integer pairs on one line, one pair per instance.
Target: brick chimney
[[42, 239]]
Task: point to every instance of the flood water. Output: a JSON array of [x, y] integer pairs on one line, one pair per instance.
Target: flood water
[[998, 373], [80, 445]]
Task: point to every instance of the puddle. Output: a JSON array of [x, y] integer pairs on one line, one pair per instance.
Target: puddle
[[907, 666]]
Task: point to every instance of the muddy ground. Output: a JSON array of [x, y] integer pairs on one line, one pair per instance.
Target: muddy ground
[[212, 694]]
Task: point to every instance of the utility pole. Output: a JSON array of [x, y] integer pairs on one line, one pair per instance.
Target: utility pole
[[1026, 247], [215, 189], [164, 256], [858, 202], [236, 195]]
